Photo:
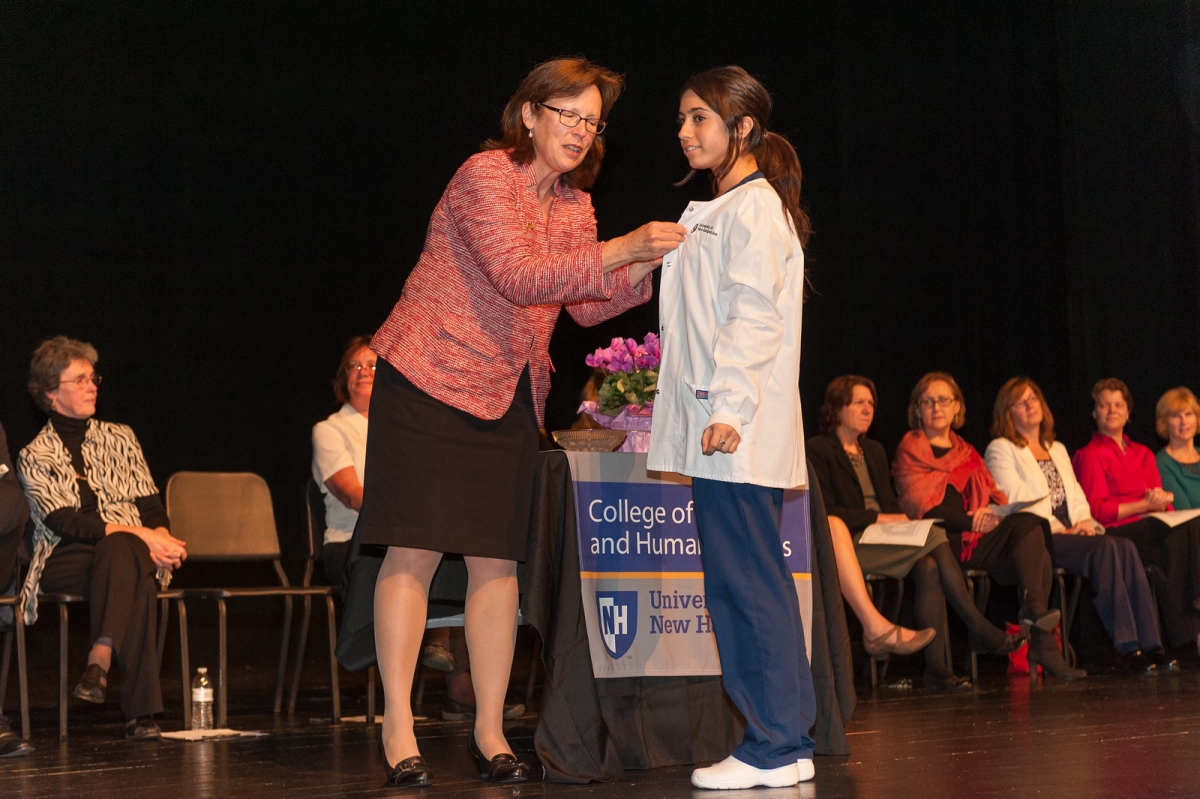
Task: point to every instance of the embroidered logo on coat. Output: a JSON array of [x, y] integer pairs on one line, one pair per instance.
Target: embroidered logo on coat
[[701, 393], [709, 229]]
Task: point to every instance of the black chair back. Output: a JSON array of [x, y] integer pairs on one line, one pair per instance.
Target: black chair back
[[314, 539]]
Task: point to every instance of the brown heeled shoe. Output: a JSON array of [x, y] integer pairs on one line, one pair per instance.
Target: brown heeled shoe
[[891, 643]]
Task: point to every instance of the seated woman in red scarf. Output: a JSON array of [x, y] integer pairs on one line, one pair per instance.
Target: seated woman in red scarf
[[940, 476], [1121, 481]]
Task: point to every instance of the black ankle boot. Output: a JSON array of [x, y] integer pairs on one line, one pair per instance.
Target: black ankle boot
[[1044, 620], [1043, 651]]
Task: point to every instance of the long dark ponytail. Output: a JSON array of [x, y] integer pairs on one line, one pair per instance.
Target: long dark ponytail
[[734, 94]]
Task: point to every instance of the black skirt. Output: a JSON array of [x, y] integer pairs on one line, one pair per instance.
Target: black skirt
[[438, 478]]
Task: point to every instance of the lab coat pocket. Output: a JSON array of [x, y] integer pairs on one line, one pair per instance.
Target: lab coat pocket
[[700, 394]]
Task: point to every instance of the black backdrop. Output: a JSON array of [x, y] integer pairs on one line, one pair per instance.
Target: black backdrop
[[219, 194]]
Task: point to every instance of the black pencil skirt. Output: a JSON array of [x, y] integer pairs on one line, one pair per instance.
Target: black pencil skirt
[[438, 478]]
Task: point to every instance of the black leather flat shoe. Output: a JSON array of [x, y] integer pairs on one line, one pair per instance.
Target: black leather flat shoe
[[503, 768], [143, 728], [412, 772], [11, 744], [1135, 664], [1166, 666], [91, 688]]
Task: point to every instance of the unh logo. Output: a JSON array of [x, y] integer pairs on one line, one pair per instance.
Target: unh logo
[[618, 620]]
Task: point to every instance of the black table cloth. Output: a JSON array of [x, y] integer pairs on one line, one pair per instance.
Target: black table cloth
[[591, 729]]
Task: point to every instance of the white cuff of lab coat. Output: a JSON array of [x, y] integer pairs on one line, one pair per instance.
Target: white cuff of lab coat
[[725, 417]]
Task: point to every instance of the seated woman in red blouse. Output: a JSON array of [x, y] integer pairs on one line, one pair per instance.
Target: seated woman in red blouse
[[1121, 481], [940, 476]]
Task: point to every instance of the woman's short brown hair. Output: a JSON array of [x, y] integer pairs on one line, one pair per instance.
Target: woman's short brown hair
[[560, 77], [914, 408], [50, 360], [1174, 401], [339, 381], [1002, 423], [840, 393], [1112, 384]]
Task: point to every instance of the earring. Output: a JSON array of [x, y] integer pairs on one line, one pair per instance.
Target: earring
[[531, 133]]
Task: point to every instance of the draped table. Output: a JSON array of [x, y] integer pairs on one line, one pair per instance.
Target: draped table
[[596, 729]]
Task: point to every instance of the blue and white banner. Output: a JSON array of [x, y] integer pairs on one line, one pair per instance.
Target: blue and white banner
[[642, 576]]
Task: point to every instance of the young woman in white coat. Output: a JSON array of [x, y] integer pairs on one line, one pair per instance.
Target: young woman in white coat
[[1027, 463], [728, 412]]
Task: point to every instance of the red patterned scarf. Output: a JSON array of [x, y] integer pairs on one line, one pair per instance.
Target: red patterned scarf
[[921, 479]]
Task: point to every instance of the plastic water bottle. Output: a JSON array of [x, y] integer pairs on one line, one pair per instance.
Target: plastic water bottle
[[202, 701]]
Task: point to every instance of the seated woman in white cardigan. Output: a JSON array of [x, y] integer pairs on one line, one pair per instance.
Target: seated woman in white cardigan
[[1028, 464]]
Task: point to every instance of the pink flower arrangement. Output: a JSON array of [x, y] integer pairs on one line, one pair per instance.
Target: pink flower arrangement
[[631, 377], [626, 355]]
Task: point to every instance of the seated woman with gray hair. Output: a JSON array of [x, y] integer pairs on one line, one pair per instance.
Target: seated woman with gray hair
[[100, 529]]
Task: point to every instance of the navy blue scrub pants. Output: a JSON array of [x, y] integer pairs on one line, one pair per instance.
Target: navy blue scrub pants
[[1123, 599], [751, 597]]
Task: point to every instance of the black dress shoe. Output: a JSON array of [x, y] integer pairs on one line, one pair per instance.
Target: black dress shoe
[[412, 772], [1166, 666], [11, 744], [503, 768], [91, 687], [143, 728], [1135, 664]]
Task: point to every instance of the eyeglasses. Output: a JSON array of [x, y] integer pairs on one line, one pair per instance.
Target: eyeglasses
[[356, 367], [941, 402], [82, 381], [570, 119], [1027, 404]]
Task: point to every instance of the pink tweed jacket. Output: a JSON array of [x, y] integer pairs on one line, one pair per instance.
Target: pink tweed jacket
[[486, 292]]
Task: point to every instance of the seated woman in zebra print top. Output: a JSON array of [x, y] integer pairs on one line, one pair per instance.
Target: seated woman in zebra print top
[[100, 529]]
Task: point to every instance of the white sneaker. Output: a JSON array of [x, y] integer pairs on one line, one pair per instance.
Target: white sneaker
[[733, 773], [807, 770]]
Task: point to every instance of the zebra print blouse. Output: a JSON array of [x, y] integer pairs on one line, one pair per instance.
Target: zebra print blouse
[[115, 469]]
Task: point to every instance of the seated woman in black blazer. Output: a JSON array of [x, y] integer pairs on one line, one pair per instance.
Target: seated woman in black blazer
[[853, 473]]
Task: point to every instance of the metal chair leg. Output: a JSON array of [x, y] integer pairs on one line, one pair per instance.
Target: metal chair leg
[[870, 666], [222, 716], [164, 610], [419, 697], [301, 646], [283, 653], [185, 665], [371, 695], [892, 615], [333, 664], [62, 672], [22, 673], [7, 658]]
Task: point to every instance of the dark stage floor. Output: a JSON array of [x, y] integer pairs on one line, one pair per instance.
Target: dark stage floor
[[1107, 735]]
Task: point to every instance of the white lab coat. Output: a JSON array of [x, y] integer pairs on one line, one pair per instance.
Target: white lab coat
[[1018, 475], [730, 311]]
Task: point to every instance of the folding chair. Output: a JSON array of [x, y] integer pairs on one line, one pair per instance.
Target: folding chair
[[18, 633], [63, 600], [228, 517], [314, 541]]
